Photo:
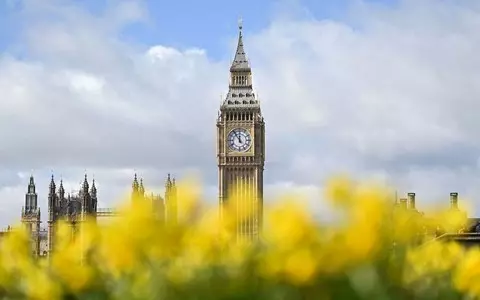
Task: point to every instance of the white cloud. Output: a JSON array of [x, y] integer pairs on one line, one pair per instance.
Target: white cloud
[[394, 97]]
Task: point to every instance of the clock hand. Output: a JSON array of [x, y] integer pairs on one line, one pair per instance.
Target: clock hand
[[237, 136]]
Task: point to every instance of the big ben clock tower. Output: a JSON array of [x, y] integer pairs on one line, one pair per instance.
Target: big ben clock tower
[[241, 150]]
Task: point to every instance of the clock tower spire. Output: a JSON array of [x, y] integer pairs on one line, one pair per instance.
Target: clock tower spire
[[241, 149]]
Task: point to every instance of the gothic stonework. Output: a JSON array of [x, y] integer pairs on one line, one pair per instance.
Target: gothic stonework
[[73, 209], [241, 149], [76, 208]]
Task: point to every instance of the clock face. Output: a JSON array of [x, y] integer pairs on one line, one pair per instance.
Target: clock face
[[239, 139]]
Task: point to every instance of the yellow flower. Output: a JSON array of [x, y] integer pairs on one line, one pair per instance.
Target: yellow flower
[[431, 258], [117, 251], [289, 224], [290, 234], [236, 255], [179, 271], [188, 197], [16, 251], [366, 215], [406, 225], [467, 274], [67, 265], [39, 286], [300, 266], [201, 240], [137, 251]]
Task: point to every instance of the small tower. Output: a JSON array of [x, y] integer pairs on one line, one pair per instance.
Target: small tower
[[61, 191], [86, 199], [454, 201], [93, 195], [457, 212], [411, 201], [135, 188], [52, 205], [171, 212], [31, 216], [141, 190]]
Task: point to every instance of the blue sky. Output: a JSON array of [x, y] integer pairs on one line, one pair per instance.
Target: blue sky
[[208, 24]]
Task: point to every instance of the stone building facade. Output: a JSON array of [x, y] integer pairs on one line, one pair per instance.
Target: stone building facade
[[75, 208]]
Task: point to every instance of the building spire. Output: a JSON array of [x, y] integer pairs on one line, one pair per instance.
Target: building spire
[[31, 182], [93, 190], [141, 188], [135, 182], [135, 188], [30, 197], [240, 88], [61, 185], [52, 183], [240, 62], [85, 184]]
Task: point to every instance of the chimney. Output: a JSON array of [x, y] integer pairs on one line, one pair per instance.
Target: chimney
[[403, 203], [454, 200], [411, 200]]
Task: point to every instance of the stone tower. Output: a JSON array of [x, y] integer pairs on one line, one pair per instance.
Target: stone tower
[[31, 216], [241, 150]]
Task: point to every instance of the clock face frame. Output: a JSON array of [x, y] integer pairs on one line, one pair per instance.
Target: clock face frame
[[239, 139]]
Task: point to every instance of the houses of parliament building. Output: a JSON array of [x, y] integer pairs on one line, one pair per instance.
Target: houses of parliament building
[[77, 207], [240, 155]]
